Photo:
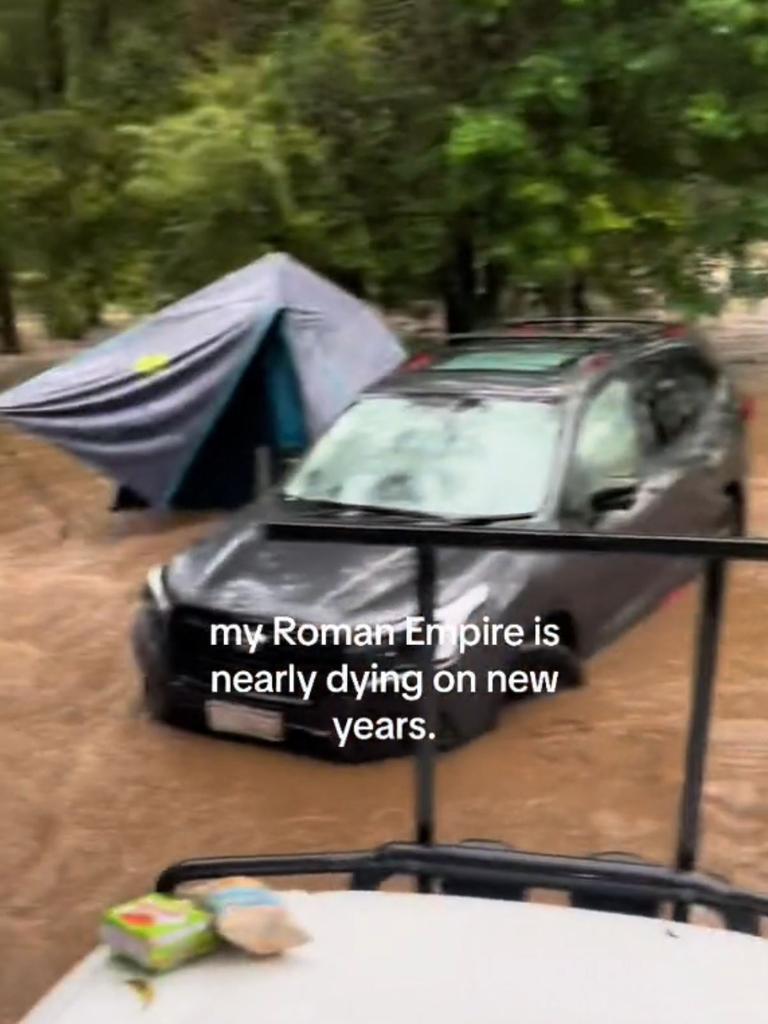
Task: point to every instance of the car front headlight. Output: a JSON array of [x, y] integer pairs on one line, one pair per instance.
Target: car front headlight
[[156, 588]]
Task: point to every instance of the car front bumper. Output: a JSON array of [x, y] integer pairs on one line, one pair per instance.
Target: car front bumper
[[187, 694]]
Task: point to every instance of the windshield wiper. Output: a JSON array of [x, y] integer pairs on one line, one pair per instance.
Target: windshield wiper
[[315, 504], [340, 507], [343, 507], [490, 520], [399, 513]]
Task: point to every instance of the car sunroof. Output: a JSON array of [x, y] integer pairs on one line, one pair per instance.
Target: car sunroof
[[527, 360]]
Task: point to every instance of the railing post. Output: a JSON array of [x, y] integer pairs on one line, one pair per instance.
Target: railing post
[[705, 669], [425, 759]]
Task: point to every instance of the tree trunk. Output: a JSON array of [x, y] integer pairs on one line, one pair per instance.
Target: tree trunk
[[490, 301], [354, 281], [579, 301], [554, 299], [10, 342], [55, 64], [101, 30], [460, 286]]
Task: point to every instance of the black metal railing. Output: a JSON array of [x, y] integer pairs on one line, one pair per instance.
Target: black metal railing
[[487, 869]]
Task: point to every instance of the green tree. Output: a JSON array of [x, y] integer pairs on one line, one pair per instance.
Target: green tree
[[460, 149]]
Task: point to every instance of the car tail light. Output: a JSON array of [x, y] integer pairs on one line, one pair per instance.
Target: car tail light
[[420, 362], [675, 331], [747, 409], [677, 595], [596, 363]]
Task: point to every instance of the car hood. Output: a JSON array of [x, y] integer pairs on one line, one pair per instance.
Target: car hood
[[402, 957], [238, 570]]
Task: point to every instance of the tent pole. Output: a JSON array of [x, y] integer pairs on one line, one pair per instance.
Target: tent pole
[[263, 469]]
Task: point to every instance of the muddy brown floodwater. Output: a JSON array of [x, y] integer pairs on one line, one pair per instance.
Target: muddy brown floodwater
[[95, 799]]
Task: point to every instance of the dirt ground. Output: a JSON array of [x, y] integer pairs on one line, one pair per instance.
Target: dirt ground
[[95, 799]]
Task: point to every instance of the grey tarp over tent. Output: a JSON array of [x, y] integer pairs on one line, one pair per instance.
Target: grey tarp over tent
[[174, 408]]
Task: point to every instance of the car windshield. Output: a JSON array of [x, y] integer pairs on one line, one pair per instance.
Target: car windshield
[[458, 458]]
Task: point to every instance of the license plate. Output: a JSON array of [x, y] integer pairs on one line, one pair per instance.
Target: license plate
[[242, 721]]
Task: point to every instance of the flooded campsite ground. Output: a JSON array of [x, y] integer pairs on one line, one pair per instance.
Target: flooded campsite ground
[[95, 799]]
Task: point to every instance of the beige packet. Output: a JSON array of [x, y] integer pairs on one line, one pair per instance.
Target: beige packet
[[249, 915]]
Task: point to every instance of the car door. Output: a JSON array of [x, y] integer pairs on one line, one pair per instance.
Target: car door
[[688, 442], [708, 448], [609, 592]]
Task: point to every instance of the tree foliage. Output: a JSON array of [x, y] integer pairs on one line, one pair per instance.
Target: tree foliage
[[452, 149]]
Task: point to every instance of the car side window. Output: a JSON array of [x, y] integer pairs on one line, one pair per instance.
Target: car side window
[[696, 383], [673, 394], [607, 451]]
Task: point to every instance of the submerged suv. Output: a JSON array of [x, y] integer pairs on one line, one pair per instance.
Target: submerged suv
[[616, 426]]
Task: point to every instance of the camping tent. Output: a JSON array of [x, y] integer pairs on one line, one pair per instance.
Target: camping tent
[[175, 408]]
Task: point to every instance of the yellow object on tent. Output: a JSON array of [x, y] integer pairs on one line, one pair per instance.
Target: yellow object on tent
[[152, 364]]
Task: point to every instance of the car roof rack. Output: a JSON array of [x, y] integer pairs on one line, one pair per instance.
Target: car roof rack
[[627, 328], [586, 341], [493, 870], [588, 321], [534, 337], [608, 330]]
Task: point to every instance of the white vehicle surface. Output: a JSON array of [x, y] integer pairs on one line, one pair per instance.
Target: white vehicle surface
[[381, 958]]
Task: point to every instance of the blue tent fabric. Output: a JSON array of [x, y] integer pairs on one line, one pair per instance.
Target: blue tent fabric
[[286, 406], [140, 406]]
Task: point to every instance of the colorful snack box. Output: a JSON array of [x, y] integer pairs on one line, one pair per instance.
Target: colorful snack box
[[159, 932]]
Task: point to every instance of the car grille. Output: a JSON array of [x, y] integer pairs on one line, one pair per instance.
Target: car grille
[[193, 658]]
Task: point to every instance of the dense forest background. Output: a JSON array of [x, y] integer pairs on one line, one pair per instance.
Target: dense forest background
[[451, 151]]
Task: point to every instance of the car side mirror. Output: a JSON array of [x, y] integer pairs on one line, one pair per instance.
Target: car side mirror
[[618, 497]]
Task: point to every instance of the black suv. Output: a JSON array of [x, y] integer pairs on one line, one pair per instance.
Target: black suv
[[607, 425]]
